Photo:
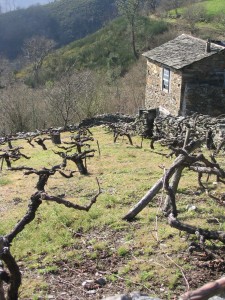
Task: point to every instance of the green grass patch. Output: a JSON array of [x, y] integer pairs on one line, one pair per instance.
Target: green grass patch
[[123, 251], [139, 247], [214, 7], [49, 269]]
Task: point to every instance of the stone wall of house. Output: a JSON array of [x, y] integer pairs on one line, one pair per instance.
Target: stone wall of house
[[155, 97], [208, 69], [205, 99], [204, 86], [200, 87]]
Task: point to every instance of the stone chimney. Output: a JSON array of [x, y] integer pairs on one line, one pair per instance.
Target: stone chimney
[[208, 46]]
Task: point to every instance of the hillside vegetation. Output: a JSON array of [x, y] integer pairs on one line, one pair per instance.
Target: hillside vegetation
[[96, 74], [66, 20], [109, 49], [63, 21], [203, 18]]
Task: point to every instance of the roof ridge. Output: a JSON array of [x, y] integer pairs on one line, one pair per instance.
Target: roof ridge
[[199, 39]]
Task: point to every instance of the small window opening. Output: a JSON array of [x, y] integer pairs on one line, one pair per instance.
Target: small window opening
[[166, 79]]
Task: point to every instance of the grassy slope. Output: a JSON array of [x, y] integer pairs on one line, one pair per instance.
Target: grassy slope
[[125, 173], [211, 27], [214, 7], [94, 50]]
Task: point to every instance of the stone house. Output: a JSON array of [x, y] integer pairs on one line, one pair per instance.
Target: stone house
[[186, 75]]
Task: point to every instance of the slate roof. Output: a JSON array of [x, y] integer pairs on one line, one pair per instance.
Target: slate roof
[[182, 51]]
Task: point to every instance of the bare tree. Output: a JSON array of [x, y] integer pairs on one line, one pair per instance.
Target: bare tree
[[6, 72], [65, 96], [133, 88], [89, 103], [175, 4], [165, 6], [7, 5], [15, 105], [13, 276], [151, 5], [35, 50], [219, 20], [21, 109], [124, 95], [130, 9]]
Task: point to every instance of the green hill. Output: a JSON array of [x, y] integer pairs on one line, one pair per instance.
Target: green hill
[[112, 42], [108, 48]]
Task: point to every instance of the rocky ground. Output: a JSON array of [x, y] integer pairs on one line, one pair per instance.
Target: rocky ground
[[92, 277]]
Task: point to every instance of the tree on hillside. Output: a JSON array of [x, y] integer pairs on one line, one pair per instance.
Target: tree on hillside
[[64, 96], [35, 50], [133, 88], [151, 5], [90, 100], [129, 9], [175, 4], [21, 109], [7, 6], [167, 5], [194, 14], [16, 109], [6, 75]]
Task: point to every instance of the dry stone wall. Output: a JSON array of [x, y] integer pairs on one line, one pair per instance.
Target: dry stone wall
[[106, 118]]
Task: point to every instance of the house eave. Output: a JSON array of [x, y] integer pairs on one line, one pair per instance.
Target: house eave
[[163, 65]]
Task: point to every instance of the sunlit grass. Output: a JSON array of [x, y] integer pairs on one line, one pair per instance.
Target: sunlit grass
[[214, 7], [125, 174]]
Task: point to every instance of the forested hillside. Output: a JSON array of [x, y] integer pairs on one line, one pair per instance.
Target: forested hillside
[[79, 18], [22, 24], [63, 21], [10, 5]]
